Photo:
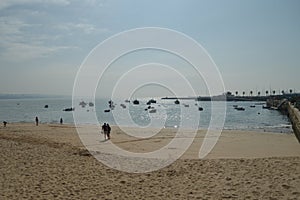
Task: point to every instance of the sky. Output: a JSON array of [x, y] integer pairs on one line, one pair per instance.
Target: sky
[[255, 44]]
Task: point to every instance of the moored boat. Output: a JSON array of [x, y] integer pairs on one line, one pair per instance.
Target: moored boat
[[240, 108], [136, 102]]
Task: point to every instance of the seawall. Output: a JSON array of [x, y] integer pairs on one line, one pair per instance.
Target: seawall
[[287, 108], [294, 116]]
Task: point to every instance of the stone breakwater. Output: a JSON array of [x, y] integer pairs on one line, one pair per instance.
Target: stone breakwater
[[286, 107], [294, 116]]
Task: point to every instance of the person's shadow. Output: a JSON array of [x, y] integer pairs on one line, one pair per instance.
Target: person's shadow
[[102, 141]]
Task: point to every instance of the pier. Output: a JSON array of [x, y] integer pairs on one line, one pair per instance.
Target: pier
[[294, 116], [290, 107]]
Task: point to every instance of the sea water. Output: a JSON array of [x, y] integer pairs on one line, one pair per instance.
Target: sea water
[[166, 114]]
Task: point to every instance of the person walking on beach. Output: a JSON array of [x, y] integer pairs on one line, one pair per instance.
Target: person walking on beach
[[108, 131], [36, 121], [61, 121], [4, 123], [104, 129]]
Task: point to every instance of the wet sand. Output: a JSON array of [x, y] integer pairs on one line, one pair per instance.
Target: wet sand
[[49, 162]]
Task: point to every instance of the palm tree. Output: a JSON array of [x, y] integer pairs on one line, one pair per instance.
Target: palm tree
[[236, 93], [228, 93], [244, 93], [258, 93], [251, 92], [267, 92]]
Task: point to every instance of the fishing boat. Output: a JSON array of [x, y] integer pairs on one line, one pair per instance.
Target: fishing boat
[[240, 108], [136, 102], [82, 104], [68, 109], [151, 101]]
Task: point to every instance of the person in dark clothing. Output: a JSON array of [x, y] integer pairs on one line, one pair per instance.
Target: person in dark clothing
[[105, 130], [36, 121], [108, 131], [61, 121], [4, 123]]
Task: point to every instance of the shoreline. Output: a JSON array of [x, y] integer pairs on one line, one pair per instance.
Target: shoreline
[[257, 130]]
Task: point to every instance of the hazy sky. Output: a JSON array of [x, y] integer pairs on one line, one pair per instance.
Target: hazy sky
[[255, 44]]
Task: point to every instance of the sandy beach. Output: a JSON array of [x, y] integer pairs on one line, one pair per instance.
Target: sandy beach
[[49, 162]]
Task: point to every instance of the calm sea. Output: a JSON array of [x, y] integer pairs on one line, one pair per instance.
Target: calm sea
[[167, 113]]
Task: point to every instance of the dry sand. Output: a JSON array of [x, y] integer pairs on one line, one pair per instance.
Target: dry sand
[[49, 162]]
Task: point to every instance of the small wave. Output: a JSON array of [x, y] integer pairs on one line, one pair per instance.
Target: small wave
[[280, 126]]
